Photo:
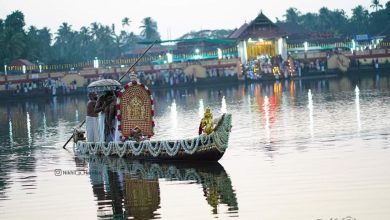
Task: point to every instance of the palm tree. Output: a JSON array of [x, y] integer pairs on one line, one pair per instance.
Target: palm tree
[[375, 4], [360, 20], [149, 29], [125, 22], [292, 15], [64, 42]]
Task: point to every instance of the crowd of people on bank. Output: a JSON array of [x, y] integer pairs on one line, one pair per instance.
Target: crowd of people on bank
[[50, 85], [256, 68], [178, 76]]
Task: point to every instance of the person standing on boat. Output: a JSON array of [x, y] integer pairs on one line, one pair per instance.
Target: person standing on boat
[[99, 108], [91, 120], [111, 121]]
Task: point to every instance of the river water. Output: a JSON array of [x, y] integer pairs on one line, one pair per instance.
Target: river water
[[298, 150]]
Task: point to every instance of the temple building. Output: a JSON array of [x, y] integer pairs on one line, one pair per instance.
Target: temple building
[[261, 37]]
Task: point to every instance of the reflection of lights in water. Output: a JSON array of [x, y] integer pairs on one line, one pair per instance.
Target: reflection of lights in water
[[267, 126], [29, 130], [223, 107], [77, 115], [310, 106], [44, 124], [11, 137], [174, 114], [357, 102], [201, 108]]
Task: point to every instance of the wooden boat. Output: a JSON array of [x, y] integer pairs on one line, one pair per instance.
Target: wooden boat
[[135, 110]]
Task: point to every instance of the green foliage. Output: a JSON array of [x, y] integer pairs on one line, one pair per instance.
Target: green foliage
[[337, 22], [149, 30], [68, 45]]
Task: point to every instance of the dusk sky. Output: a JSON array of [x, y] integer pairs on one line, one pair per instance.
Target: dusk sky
[[174, 17]]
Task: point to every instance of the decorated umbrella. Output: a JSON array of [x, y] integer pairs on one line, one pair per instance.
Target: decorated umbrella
[[103, 85]]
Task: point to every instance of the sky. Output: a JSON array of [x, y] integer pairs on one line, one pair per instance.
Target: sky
[[174, 17]]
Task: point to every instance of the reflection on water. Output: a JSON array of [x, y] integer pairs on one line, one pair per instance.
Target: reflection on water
[[11, 136], [357, 102], [44, 125], [280, 165], [223, 105], [77, 115], [174, 116], [310, 106], [267, 126], [133, 187], [29, 130], [201, 108]]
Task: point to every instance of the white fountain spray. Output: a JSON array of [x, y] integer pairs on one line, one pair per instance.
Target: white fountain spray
[[29, 130], [267, 126], [357, 102], [223, 107], [310, 107], [201, 108]]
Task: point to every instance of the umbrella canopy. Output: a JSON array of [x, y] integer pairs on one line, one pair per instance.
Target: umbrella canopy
[[103, 85]]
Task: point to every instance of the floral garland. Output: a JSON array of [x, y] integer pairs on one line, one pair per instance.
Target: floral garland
[[106, 148], [220, 138]]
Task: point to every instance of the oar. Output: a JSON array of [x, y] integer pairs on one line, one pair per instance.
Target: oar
[[132, 66]]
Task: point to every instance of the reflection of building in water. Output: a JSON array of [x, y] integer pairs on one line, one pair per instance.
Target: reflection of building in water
[[140, 196]]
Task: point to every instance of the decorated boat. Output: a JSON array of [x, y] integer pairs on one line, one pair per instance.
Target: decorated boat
[[135, 125]]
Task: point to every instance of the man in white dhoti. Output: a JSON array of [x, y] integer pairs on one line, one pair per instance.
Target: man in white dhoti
[[91, 120], [99, 108]]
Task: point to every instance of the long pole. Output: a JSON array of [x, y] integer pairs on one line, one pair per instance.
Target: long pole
[[128, 71]]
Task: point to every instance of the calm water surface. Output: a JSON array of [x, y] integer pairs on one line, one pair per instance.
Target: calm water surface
[[298, 150]]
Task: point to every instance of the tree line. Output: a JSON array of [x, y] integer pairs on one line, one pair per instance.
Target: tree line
[[68, 45], [361, 21], [97, 40]]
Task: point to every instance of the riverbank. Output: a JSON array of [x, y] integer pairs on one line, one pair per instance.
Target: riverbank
[[46, 92], [14, 96]]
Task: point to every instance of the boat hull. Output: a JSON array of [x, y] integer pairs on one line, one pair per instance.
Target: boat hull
[[201, 148]]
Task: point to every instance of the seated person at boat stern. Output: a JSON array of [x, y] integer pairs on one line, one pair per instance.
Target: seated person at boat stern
[[91, 120]]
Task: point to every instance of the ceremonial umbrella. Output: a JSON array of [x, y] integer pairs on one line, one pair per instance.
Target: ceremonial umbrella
[[103, 85]]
